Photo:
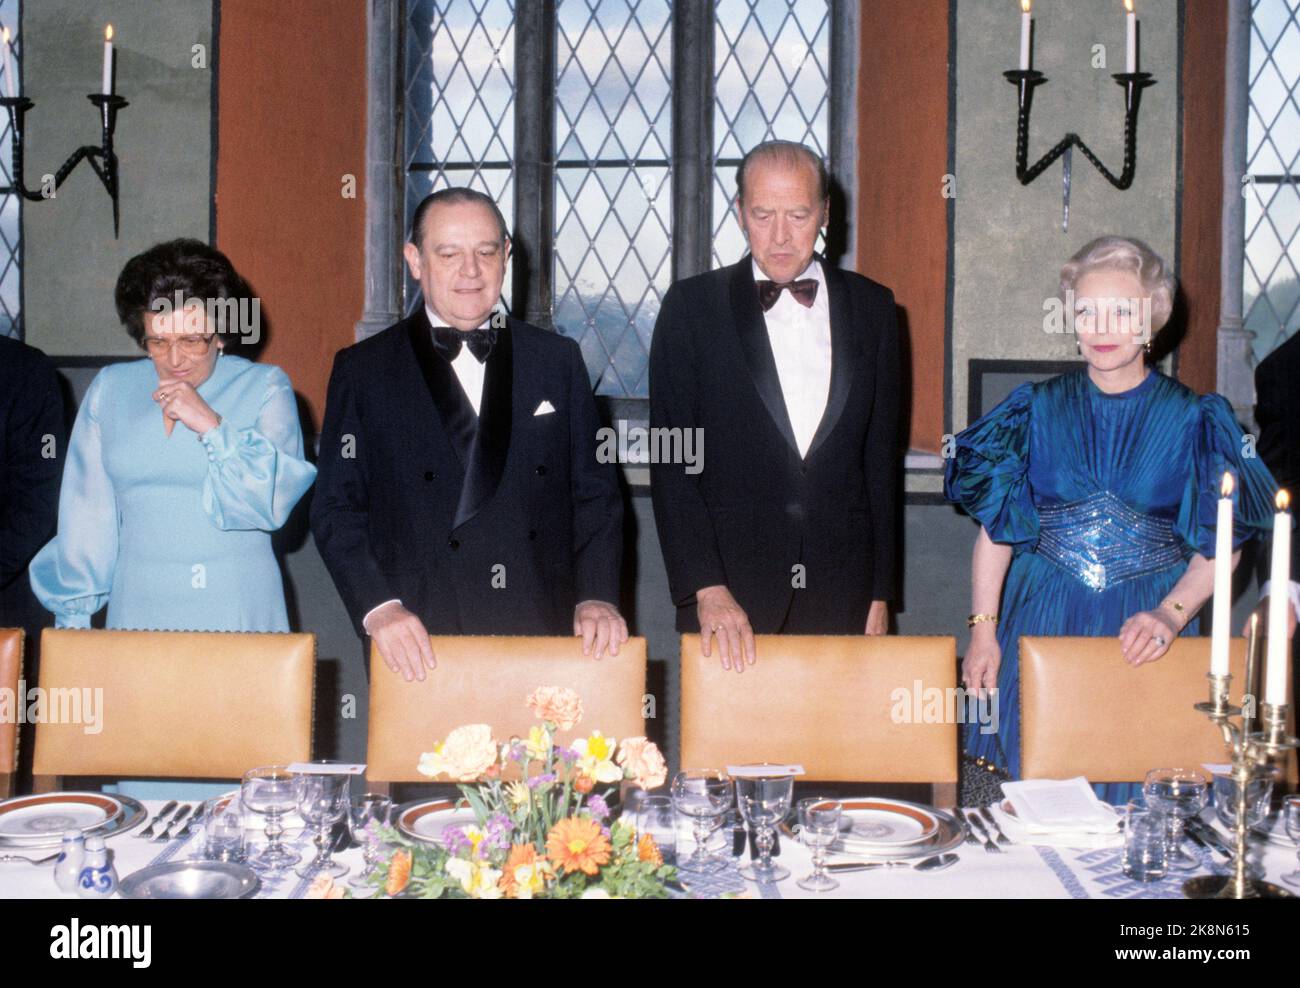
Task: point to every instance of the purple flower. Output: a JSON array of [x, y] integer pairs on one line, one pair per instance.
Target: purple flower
[[568, 754], [598, 807], [541, 780], [455, 840], [516, 752], [500, 829]]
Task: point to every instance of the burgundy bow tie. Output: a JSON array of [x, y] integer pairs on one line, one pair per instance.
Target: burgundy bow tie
[[803, 291], [480, 341]]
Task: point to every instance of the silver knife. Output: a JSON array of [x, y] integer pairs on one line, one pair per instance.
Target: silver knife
[[148, 831], [181, 814]]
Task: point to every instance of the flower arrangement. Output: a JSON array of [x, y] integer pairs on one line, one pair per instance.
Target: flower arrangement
[[547, 833]]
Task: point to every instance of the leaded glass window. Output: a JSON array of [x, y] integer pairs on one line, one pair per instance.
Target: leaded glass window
[[1271, 276], [11, 257]]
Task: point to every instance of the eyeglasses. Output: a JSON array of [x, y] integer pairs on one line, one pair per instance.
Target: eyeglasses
[[191, 346]]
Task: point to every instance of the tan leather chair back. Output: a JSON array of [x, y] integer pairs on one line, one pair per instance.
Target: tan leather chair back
[[11, 670], [174, 704], [1085, 711], [485, 680], [848, 708]]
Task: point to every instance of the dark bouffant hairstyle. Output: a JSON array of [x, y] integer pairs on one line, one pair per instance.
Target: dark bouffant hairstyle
[[191, 267]]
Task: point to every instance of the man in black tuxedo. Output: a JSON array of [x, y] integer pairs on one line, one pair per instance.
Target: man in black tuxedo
[[33, 433], [1277, 408], [459, 490], [789, 368]]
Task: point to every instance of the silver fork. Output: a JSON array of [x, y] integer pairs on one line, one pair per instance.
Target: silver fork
[[175, 823], [991, 820], [148, 831], [16, 858], [977, 824]]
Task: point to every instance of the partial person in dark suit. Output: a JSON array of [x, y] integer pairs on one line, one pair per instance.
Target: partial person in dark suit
[[459, 489], [33, 436], [1277, 409], [789, 369]]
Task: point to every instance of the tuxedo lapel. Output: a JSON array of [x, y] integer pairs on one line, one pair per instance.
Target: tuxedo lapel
[[845, 349], [752, 331], [491, 442], [453, 409]]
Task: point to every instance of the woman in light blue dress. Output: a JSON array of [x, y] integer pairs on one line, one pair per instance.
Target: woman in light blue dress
[[1096, 493], [179, 467]]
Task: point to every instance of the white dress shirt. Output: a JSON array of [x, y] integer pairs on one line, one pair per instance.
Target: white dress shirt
[[470, 373], [801, 345]]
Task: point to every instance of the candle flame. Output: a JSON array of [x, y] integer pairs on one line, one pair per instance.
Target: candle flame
[[1283, 500], [1128, 5], [1025, 5], [6, 36], [1226, 486], [108, 33]]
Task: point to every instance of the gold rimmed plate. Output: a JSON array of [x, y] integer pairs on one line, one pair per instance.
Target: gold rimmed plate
[[870, 824], [425, 820], [40, 820], [947, 833]]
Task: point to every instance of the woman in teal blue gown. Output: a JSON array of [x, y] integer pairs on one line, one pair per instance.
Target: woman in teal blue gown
[[178, 469], [1096, 493]]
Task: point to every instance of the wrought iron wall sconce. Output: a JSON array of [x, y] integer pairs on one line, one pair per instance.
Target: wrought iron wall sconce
[[102, 158], [1026, 80]]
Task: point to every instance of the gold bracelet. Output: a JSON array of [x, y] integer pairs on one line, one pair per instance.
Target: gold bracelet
[[974, 619], [1179, 609]]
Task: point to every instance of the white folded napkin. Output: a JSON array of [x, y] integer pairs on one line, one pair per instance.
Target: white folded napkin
[[1056, 806], [1020, 834]]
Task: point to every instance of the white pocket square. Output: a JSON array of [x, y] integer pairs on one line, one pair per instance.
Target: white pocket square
[[545, 408]]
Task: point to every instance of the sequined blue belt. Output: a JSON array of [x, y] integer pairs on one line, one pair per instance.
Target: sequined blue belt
[[1102, 542]]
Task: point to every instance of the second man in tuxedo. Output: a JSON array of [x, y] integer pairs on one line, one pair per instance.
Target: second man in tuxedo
[[459, 490], [789, 367]]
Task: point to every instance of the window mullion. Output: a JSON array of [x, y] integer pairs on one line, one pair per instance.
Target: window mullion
[[534, 256], [692, 138]]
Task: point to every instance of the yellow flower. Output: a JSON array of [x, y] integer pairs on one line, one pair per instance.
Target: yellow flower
[[477, 879], [517, 795], [596, 758], [537, 742]]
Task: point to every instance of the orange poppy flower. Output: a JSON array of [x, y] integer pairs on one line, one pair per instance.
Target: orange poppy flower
[[577, 844], [399, 872]]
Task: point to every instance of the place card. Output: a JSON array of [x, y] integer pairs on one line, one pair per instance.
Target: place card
[[316, 768], [763, 771]]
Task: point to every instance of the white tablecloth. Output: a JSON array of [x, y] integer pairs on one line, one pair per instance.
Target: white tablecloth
[[1021, 871]]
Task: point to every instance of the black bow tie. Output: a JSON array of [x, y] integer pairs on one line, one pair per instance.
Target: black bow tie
[[803, 291], [448, 341]]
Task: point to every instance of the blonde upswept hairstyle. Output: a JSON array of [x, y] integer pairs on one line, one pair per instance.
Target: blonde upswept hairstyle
[[1112, 253]]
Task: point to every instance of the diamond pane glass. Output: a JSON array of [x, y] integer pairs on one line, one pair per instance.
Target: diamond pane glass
[[11, 314], [1271, 276], [613, 189], [459, 103], [772, 80]]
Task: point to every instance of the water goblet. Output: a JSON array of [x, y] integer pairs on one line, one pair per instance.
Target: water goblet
[[1179, 794], [819, 826], [271, 792], [323, 802], [703, 797], [1146, 844], [365, 815], [1291, 820], [764, 801]]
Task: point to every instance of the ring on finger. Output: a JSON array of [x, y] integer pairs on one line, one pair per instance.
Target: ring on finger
[[1160, 640]]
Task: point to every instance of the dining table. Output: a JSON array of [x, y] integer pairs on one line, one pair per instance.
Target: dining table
[[1015, 870]]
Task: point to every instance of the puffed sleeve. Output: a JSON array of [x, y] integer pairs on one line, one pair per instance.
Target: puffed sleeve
[[256, 475], [73, 574], [988, 472], [1217, 448]]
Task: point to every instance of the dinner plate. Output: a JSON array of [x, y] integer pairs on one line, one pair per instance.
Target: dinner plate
[[40, 820], [190, 880], [887, 823], [948, 833], [425, 820]]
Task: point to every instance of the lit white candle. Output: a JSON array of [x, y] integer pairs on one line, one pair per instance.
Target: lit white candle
[[1279, 603], [1131, 62], [1222, 582], [10, 87], [107, 87], [1026, 27]]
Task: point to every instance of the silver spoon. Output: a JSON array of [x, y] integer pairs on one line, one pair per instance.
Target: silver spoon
[[937, 862]]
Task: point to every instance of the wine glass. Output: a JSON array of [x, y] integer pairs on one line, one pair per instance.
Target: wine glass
[[702, 795], [364, 815], [1291, 820], [270, 791], [1178, 794], [323, 802], [819, 826], [764, 801]]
